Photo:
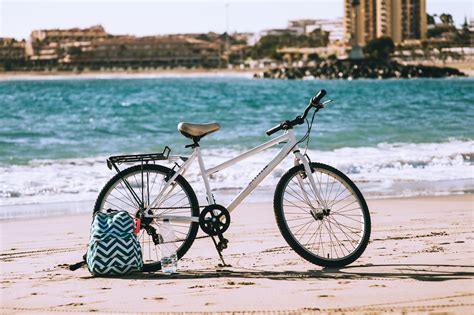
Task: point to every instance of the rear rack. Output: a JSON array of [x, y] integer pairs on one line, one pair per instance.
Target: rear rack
[[142, 158]]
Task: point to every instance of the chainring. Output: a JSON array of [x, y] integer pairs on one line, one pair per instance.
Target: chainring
[[214, 220]]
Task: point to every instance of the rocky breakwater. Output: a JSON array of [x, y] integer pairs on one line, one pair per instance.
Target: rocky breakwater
[[358, 69]]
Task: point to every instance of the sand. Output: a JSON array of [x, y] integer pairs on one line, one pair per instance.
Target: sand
[[155, 73], [420, 259]]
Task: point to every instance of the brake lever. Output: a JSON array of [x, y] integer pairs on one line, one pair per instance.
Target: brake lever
[[323, 104]]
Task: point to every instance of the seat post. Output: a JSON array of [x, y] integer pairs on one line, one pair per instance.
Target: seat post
[[195, 143], [210, 197]]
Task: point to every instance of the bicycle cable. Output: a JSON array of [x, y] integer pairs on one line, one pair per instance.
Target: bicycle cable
[[307, 134], [310, 127]]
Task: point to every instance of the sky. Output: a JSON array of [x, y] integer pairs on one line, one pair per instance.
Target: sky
[[146, 17]]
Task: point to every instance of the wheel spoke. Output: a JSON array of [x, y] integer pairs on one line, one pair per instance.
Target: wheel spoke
[[341, 200], [347, 217], [339, 242], [121, 200], [115, 206], [128, 194], [314, 234], [299, 207], [348, 228], [300, 198]]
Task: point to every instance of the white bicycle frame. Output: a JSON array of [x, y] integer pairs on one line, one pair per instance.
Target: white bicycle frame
[[291, 145]]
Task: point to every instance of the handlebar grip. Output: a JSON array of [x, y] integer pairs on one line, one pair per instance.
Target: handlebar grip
[[315, 100], [274, 129]]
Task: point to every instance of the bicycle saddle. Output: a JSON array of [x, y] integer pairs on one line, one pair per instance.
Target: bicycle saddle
[[190, 130]]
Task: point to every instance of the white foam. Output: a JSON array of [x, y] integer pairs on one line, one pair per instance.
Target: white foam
[[380, 170]]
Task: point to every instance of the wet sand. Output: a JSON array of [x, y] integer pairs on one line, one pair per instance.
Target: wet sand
[[420, 259]]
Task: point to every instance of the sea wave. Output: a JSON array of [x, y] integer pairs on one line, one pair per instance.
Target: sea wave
[[384, 170]]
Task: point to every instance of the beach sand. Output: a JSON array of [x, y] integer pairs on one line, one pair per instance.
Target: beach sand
[[155, 73], [420, 259]]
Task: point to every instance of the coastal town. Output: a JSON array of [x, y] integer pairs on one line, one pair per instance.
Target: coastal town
[[374, 38]]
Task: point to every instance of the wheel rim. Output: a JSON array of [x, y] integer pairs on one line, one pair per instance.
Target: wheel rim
[[177, 203], [328, 223]]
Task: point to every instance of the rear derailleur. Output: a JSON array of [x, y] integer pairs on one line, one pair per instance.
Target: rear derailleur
[[214, 220]]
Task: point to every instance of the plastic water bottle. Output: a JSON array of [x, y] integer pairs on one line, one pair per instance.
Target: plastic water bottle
[[169, 258]]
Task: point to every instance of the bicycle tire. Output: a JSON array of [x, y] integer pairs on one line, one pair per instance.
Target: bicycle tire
[[289, 235], [181, 181]]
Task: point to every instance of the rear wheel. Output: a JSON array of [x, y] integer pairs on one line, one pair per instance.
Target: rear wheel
[[146, 182], [329, 227]]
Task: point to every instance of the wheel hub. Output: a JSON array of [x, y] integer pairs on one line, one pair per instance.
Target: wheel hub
[[145, 221], [319, 215]]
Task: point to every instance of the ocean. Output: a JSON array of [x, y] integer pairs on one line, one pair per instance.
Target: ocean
[[392, 137]]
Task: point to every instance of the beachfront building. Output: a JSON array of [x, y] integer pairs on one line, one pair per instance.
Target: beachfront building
[[279, 32], [12, 53], [96, 49], [245, 38], [69, 35], [301, 26], [143, 52], [334, 27], [11, 49], [300, 56], [402, 20], [237, 55], [49, 47]]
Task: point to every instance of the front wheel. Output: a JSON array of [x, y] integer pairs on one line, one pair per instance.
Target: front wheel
[[329, 226]]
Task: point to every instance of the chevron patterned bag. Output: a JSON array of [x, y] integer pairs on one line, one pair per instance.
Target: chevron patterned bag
[[113, 247]]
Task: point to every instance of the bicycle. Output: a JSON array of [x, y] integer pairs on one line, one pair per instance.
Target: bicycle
[[320, 212]]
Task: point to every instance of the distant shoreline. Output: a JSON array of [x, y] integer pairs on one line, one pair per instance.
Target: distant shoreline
[[466, 67], [171, 73]]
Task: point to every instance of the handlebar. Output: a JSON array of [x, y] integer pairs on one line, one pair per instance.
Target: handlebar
[[274, 129], [288, 124], [315, 100]]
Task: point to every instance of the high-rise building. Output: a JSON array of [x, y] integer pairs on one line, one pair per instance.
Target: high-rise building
[[360, 20], [399, 19], [413, 19]]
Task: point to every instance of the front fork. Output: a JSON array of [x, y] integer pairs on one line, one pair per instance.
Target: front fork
[[308, 172]]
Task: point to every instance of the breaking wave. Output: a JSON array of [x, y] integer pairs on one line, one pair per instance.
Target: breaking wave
[[384, 170]]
